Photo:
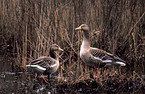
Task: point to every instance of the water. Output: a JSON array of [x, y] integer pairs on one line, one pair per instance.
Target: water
[[24, 82]]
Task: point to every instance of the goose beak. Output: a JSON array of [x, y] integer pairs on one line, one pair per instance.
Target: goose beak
[[78, 28], [60, 49]]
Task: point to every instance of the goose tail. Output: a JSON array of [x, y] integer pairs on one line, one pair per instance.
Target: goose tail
[[120, 63]]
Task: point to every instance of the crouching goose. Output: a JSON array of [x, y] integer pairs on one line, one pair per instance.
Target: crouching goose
[[93, 56], [46, 64]]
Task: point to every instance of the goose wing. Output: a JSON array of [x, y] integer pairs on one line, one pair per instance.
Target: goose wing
[[42, 63], [106, 57]]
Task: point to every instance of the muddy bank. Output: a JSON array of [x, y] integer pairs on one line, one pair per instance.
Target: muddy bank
[[111, 86]]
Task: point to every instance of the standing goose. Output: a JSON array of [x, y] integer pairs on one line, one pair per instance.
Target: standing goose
[[93, 56], [46, 64]]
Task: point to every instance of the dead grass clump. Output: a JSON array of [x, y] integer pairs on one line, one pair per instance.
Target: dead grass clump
[[29, 27]]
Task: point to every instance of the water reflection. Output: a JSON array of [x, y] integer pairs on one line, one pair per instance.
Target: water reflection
[[27, 83], [22, 83]]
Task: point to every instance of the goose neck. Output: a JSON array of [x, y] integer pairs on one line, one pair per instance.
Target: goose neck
[[86, 42], [53, 54], [86, 34]]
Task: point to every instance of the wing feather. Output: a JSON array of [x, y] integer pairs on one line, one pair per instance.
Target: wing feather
[[106, 57], [42, 62]]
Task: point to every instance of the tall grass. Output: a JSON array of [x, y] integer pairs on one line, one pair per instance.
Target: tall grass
[[29, 27]]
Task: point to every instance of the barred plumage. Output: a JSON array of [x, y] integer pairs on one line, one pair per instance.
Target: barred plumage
[[47, 64], [93, 56]]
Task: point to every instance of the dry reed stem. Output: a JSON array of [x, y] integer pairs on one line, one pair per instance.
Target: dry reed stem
[[130, 32], [34, 25]]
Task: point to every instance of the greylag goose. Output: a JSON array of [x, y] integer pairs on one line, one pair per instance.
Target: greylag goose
[[93, 56], [46, 64]]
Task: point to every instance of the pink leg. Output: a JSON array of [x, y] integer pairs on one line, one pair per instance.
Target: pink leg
[[98, 73], [44, 79], [35, 75]]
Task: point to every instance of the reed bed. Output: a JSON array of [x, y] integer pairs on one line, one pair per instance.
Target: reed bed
[[29, 27]]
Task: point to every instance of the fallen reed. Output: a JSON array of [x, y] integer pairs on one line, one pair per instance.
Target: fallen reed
[[29, 27]]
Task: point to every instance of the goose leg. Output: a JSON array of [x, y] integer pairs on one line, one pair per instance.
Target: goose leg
[[98, 73], [35, 75], [95, 73], [46, 81]]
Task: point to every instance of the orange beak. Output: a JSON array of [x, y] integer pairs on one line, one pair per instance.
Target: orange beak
[[78, 28], [60, 49]]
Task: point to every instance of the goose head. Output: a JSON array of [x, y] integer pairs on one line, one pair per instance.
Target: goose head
[[83, 27], [85, 30], [55, 47]]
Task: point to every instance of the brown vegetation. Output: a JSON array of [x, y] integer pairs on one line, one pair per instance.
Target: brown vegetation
[[29, 27]]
